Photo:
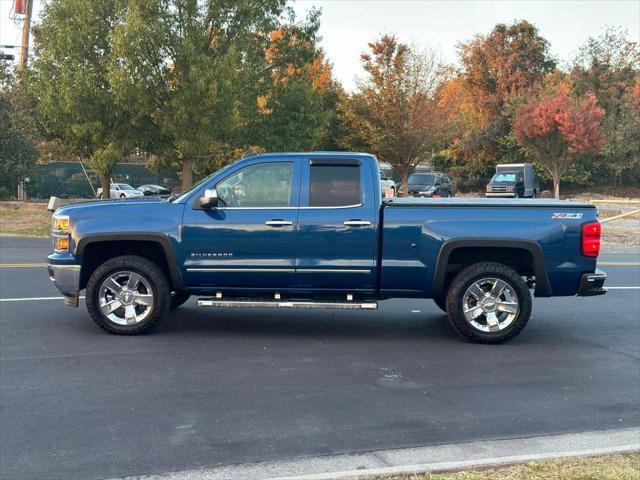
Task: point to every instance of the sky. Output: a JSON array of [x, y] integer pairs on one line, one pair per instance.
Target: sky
[[348, 25]]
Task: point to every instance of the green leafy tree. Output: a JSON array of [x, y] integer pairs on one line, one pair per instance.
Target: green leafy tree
[[76, 101], [287, 88], [176, 69], [18, 152], [609, 66]]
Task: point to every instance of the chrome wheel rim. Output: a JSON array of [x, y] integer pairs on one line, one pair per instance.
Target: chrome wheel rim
[[125, 298], [490, 305]]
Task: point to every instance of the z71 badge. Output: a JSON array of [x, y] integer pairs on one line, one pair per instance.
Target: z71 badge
[[566, 215]]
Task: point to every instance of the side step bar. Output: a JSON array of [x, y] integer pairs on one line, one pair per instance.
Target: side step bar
[[214, 302]]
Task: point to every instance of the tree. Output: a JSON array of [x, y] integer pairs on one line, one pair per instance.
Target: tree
[[177, 67], [18, 151], [556, 127], [496, 69], [622, 136], [394, 111], [609, 66], [287, 88], [76, 101]]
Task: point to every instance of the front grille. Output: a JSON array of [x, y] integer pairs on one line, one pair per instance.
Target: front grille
[[498, 189]]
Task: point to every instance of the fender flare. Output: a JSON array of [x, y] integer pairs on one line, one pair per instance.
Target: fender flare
[[159, 238], [542, 289]]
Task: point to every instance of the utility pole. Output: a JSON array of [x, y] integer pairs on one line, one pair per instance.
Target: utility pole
[[26, 27]]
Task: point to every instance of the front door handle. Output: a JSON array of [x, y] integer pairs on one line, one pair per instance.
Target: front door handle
[[278, 223], [357, 223]]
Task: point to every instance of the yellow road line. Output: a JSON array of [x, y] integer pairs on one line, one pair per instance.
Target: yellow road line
[[22, 265], [620, 264]]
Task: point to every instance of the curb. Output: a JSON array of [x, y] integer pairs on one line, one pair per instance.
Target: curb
[[439, 458]]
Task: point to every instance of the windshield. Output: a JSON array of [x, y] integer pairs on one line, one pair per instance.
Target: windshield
[[422, 179], [504, 177], [124, 186]]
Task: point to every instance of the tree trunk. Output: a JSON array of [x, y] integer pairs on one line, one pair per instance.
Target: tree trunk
[[187, 172], [105, 180], [556, 186], [405, 184]]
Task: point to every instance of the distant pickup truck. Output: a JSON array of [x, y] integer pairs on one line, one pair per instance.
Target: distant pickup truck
[[311, 230]]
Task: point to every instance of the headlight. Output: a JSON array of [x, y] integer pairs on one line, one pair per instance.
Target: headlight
[[61, 223], [60, 233]]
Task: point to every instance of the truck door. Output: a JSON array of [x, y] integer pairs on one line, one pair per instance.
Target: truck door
[[337, 226], [248, 241]]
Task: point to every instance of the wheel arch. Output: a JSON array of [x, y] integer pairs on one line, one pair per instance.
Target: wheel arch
[[98, 248], [490, 249]]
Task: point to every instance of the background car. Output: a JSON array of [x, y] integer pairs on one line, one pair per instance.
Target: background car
[[122, 190], [154, 190], [433, 184], [515, 180], [386, 182]]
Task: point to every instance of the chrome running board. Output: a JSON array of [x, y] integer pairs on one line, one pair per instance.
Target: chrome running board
[[214, 302]]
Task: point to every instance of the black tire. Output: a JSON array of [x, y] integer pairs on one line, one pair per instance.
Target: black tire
[[154, 277], [100, 195], [441, 302], [122, 195], [477, 272], [178, 299]]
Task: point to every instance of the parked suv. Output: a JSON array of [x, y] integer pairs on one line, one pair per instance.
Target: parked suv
[[430, 185]]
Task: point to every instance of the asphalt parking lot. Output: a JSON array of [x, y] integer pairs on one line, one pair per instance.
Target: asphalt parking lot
[[213, 387]]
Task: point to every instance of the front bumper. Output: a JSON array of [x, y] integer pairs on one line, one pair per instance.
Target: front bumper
[[66, 278], [592, 284], [500, 194]]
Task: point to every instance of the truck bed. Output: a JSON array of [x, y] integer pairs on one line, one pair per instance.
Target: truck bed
[[417, 231]]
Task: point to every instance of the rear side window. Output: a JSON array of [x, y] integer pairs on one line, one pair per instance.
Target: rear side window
[[334, 185]]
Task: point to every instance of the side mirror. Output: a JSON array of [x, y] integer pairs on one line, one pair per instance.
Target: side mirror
[[209, 199]]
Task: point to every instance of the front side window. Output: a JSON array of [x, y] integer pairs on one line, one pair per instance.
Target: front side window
[[259, 185], [334, 185]]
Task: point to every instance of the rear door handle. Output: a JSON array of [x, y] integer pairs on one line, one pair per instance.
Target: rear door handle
[[278, 223], [357, 223]]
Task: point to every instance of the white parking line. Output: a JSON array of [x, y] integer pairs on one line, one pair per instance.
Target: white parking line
[[622, 288], [32, 299]]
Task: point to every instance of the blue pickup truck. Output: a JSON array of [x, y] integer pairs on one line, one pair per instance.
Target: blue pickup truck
[[311, 230]]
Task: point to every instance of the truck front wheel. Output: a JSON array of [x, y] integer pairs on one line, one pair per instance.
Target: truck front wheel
[[488, 303], [127, 295]]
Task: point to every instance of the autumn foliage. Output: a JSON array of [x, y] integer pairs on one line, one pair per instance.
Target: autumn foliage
[[557, 127]]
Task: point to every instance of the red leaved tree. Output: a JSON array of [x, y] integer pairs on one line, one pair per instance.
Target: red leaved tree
[[557, 127]]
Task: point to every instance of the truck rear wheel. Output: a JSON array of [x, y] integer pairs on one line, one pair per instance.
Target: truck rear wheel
[[127, 295], [488, 303]]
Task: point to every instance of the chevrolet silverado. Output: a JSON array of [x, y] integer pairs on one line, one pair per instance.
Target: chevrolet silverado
[[311, 230]]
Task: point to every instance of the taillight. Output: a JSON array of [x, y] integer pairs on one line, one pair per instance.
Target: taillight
[[591, 233]]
